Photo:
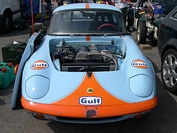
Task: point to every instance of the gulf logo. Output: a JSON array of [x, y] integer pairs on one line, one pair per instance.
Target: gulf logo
[[139, 64], [90, 100], [39, 64]]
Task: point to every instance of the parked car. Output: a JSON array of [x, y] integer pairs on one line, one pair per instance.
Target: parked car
[[167, 47], [147, 19], [9, 11], [85, 69]]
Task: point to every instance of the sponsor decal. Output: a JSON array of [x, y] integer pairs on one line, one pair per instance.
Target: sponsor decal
[[89, 90], [39, 64], [90, 100], [139, 64]]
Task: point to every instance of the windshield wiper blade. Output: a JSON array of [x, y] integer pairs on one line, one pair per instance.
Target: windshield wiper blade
[[84, 34], [119, 34]]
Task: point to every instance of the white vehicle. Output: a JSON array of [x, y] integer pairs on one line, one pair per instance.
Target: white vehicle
[[9, 11]]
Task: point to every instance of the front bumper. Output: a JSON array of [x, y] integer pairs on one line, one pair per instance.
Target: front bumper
[[91, 120], [58, 111]]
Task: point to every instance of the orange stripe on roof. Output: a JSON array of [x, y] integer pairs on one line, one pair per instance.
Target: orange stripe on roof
[[87, 6], [87, 38]]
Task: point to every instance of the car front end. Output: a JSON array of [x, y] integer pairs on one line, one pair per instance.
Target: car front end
[[87, 69]]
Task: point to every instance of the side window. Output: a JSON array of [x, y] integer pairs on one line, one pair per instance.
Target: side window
[[174, 15], [66, 15], [77, 14], [117, 20], [114, 18]]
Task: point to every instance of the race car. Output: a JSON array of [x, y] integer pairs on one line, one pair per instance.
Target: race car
[[85, 68]]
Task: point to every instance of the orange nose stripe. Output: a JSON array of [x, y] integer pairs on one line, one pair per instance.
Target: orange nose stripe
[[83, 91]]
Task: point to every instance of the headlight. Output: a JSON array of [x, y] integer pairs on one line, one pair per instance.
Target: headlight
[[37, 87], [141, 85]]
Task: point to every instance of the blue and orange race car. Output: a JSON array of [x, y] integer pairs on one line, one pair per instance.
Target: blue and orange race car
[[85, 69]]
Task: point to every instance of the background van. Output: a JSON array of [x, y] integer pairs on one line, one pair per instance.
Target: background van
[[9, 11]]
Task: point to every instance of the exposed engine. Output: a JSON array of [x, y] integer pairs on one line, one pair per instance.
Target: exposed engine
[[88, 58]]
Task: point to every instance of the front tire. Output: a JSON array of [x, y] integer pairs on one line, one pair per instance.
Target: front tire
[[141, 32], [169, 70], [7, 23]]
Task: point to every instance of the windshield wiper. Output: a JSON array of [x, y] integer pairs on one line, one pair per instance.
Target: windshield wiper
[[88, 34], [85, 34], [119, 34]]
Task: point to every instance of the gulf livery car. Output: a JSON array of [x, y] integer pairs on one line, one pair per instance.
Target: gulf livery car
[[85, 69]]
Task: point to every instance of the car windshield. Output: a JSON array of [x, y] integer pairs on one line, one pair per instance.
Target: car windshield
[[86, 22]]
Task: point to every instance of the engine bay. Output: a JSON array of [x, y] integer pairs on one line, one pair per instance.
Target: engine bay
[[87, 58]]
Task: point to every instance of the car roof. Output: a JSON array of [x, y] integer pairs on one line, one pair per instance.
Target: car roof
[[80, 6], [168, 21]]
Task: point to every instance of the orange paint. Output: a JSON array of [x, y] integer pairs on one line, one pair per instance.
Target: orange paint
[[98, 91], [79, 111], [87, 6], [70, 107], [87, 38], [16, 68]]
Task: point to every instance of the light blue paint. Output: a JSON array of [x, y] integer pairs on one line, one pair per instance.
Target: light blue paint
[[141, 85], [80, 6], [37, 87]]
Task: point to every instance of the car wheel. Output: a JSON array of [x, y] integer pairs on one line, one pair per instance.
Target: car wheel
[[141, 33], [169, 70], [7, 23]]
